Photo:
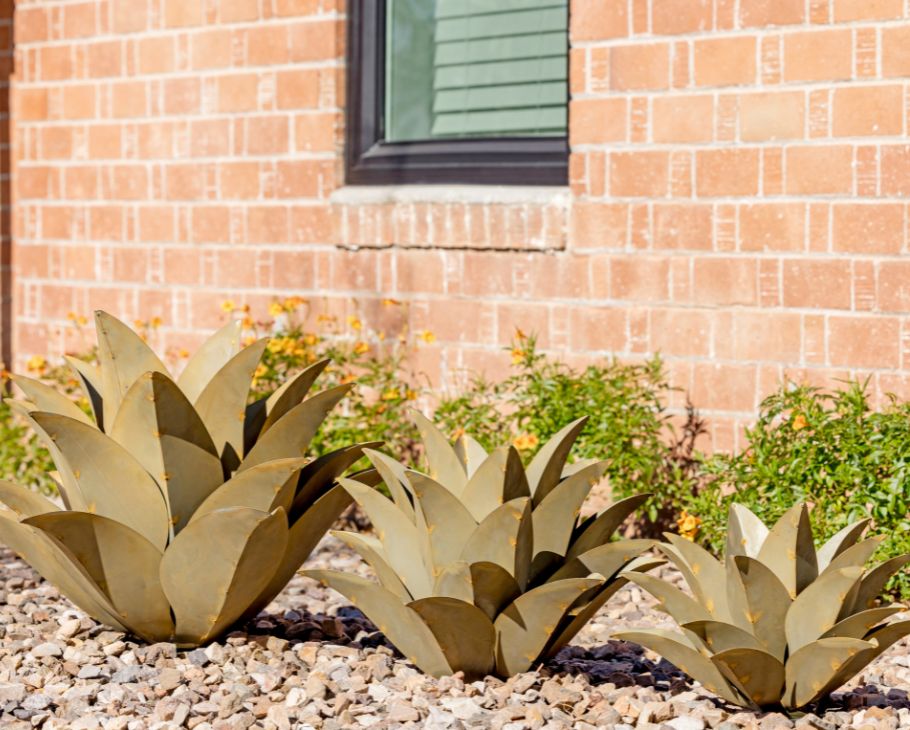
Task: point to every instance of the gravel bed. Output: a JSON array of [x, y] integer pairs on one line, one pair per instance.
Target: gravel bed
[[311, 661]]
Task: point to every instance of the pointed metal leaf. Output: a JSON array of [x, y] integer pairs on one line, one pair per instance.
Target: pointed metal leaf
[[873, 583], [401, 625], [671, 599], [842, 540], [262, 488], [447, 523], [500, 539], [860, 624], [816, 609], [811, 669], [24, 502], [393, 476], [470, 453], [855, 556], [601, 529], [674, 648], [213, 355], [292, 434], [242, 547], [556, 514], [454, 581], [444, 465], [745, 532], [50, 400], [124, 357], [121, 562], [762, 604], [607, 560], [464, 633], [291, 394], [576, 619], [705, 575], [371, 550], [498, 479], [545, 470], [789, 550], [222, 404], [720, 636], [89, 377], [525, 626], [494, 587], [760, 675], [111, 481], [319, 475]]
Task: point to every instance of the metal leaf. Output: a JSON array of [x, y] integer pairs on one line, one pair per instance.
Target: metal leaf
[[494, 587], [444, 464], [674, 648], [291, 394], [291, 435], [759, 675], [545, 470], [319, 475], [89, 377], [454, 581], [262, 488], [446, 522], [124, 357], [855, 556], [860, 624], [470, 453], [121, 562], [50, 400], [113, 484], [556, 514], [393, 476], [720, 636], [576, 619], [222, 404], [304, 534], [464, 633], [705, 575], [401, 625], [745, 532], [601, 529], [873, 583], [24, 502], [57, 566], [213, 355], [501, 539], [842, 540], [816, 609], [761, 604], [498, 479], [811, 669], [607, 560], [525, 626], [371, 550], [671, 599], [789, 550], [241, 547], [399, 536]]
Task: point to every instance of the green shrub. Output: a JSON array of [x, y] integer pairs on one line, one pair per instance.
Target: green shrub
[[629, 426], [826, 448]]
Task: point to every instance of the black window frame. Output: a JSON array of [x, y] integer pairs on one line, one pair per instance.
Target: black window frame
[[371, 160]]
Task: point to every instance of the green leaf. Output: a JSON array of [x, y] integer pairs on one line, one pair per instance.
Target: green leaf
[[213, 355], [217, 566], [401, 625], [113, 484], [121, 562]]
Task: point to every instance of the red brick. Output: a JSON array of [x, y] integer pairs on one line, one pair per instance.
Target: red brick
[[639, 174], [864, 342], [593, 20], [595, 121], [671, 17], [725, 172], [640, 278], [725, 281], [817, 284], [868, 110], [869, 228], [819, 170], [771, 116], [599, 225], [641, 66], [683, 119], [772, 227], [725, 61], [818, 55], [757, 13]]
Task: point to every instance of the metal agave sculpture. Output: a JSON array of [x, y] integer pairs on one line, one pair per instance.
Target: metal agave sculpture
[[185, 508], [484, 566], [778, 623]]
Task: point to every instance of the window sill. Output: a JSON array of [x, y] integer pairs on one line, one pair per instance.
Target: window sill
[[557, 195]]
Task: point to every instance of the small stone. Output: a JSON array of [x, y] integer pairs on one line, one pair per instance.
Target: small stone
[[402, 712], [12, 692], [89, 671], [686, 723], [37, 702], [169, 679], [69, 628], [47, 649], [115, 648], [198, 657]]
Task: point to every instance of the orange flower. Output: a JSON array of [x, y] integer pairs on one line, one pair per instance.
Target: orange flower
[[36, 364], [427, 337], [799, 422], [155, 322], [354, 323], [361, 347], [228, 306], [517, 355], [688, 525], [184, 352], [275, 309], [526, 442]]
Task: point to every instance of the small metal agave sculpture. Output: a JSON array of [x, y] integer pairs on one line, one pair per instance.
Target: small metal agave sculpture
[[186, 509], [777, 624], [484, 566]]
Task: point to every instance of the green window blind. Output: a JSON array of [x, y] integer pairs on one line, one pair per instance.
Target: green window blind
[[476, 68]]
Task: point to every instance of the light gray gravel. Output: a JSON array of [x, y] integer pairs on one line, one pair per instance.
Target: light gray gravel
[[313, 661]]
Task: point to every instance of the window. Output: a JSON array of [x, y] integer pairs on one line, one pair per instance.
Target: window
[[457, 91]]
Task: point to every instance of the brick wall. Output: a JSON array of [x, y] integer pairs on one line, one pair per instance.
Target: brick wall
[[739, 178]]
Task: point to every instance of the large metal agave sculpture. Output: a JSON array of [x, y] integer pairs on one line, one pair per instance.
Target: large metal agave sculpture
[[777, 624], [484, 566], [185, 508]]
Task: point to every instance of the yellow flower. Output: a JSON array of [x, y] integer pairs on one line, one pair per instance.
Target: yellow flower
[[184, 352], [247, 341], [427, 337], [276, 308], [517, 355], [349, 378], [526, 442], [354, 323], [391, 394], [688, 525], [275, 345], [324, 318], [82, 320], [799, 422], [138, 324], [380, 335], [36, 364], [243, 308], [155, 322], [291, 303], [248, 323], [411, 394], [71, 316], [391, 303], [519, 335], [228, 306], [361, 347], [309, 339], [261, 371]]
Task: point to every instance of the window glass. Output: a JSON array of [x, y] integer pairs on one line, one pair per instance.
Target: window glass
[[475, 68]]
